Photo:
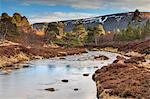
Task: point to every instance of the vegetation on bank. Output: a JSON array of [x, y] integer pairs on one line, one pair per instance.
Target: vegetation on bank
[[12, 54], [125, 78]]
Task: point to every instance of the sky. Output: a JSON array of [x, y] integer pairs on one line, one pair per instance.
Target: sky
[[55, 10]]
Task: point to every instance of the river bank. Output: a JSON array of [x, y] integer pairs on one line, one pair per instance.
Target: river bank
[[124, 78], [13, 54], [128, 76], [129, 49]]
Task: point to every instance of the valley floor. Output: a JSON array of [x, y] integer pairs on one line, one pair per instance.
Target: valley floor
[[125, 78]]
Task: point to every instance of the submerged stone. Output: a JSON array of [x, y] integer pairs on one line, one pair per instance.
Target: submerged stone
[[50, 89], [65, 80]]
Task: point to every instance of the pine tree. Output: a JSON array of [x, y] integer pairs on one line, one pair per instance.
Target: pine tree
[[80, 31], [99, 30]]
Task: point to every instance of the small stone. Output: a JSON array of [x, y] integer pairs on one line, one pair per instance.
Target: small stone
[[67, 66], [61, 58], [101, 57], [115, 61], [85, 74], [9, 65], [16, 67], [50, 89], [95, 49], [76, 89], [65, 80], [95, 66], [25, 66]]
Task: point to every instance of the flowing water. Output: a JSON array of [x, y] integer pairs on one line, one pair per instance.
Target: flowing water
[[30, 83]]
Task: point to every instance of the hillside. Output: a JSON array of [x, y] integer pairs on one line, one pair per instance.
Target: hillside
[[96, 30], [110, 22]]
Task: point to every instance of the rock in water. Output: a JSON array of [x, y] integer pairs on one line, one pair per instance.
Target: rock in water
[[101, 57], [85, 74], [65, 80], [50, 89], [76, 89]]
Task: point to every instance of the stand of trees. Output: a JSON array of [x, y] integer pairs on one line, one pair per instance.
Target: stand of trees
[[80, 36], [133, 33], [94, 33], [7, 28]]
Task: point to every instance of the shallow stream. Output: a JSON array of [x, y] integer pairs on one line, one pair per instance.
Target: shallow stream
[[29, 83]]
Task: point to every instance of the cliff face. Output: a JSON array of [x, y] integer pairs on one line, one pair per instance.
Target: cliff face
[[110, 22]]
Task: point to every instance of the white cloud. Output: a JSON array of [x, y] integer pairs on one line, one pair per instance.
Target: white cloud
[[143, 5], [58, 16]]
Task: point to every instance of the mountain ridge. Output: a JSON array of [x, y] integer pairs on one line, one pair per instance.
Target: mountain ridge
[[123, 13], [105, 20]]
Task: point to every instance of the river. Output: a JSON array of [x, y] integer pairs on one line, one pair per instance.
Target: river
[[29, 83]]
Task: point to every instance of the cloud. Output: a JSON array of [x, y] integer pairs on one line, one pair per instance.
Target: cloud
[[96, 4], [58, 16]]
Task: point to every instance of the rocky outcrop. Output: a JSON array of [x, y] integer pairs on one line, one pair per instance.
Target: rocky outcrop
[[123, 80]]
